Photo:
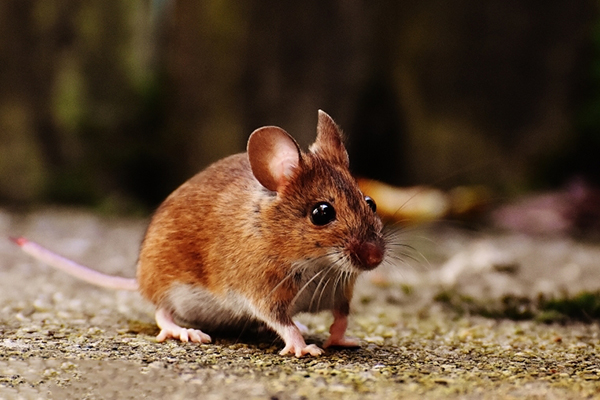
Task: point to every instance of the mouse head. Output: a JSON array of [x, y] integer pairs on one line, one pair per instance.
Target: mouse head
[[316, 208]]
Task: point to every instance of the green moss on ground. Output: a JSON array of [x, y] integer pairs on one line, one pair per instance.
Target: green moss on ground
[[583, 307]]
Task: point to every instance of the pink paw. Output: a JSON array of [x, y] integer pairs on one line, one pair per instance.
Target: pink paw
[[300, 351], [341, 342], [169, 329], [183, 334]]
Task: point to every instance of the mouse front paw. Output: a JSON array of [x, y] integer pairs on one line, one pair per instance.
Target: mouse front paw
[[295, 344], [337, 331], [341, 342], [300, 351]]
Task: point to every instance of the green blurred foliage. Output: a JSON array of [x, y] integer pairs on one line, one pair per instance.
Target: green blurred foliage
[[583, 306], [114, 103], [580, 155]]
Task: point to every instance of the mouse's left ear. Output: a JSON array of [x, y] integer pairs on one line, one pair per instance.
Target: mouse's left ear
[[329, 143], [273, 155]]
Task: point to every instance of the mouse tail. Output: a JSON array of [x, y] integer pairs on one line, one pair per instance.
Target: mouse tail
[[74, 269]]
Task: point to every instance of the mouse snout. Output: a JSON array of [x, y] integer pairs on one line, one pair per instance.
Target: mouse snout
[[368, 255]]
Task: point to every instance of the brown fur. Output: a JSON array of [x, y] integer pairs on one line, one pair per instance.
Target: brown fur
[[225, 233]]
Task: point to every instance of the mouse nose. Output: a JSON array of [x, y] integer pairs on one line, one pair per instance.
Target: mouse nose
[[369, 255]]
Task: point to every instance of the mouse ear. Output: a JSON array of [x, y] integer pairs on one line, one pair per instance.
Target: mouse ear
[[329, 143], [273, 156]]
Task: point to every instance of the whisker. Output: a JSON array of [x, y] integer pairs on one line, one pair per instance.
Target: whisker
[[281, 282], [401, 247], [400, 251], [408, 260], [336, 284], [323, 288], [403, 257], [299, 267], [346, 275], [316, 289], [305, 286]]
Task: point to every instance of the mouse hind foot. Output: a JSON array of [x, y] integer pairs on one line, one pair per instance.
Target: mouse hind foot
[[170, 329]]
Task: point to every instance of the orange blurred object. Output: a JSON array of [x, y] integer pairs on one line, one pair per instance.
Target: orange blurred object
[[423, 203]]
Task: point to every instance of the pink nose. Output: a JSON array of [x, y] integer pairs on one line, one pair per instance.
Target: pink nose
[[369, 255]]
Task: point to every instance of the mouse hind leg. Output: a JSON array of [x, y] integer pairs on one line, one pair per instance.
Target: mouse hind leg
[[170, 329], [186, 307]]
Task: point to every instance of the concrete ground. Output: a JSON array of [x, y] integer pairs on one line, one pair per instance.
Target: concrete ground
[[60, 338]]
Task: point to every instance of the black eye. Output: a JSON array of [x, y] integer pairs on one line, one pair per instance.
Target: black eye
[[371, 203], [322, 213]]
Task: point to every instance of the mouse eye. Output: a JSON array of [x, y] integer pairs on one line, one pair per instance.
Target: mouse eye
[[322, 213], [371, 203]]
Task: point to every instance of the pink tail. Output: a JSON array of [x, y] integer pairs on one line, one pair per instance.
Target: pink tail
[[72, 268]]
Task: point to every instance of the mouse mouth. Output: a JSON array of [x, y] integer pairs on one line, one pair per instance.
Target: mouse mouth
[[367, 255]]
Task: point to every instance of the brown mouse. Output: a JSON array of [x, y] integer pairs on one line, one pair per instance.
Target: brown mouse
[[256, 237]]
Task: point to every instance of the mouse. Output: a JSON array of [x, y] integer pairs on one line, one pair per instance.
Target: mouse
[[256, 237]]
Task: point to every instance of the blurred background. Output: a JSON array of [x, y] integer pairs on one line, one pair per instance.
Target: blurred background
[[114, 103]]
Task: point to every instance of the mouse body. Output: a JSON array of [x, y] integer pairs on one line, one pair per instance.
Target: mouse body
[[258, 237]]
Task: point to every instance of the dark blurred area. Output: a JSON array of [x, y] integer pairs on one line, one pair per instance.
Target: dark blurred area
[[114, 103]]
